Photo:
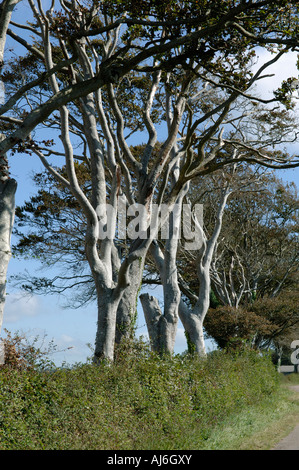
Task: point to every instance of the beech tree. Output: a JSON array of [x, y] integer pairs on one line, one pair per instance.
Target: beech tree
[[86, 58], [193, 313], [260, 254], [257, 253], [254, 271], [200, 270], [8, 185]]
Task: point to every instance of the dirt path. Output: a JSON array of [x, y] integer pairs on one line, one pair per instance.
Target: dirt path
[[290, 442]]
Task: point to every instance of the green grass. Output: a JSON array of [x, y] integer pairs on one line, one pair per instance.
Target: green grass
[[258, 427], [143, 402]]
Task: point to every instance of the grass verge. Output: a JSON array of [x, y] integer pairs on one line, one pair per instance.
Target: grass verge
[[258, 427]]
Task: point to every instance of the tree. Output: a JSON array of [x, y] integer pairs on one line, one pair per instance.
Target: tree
[[194, 314], [201, 271], [255, 268], [258, 254], [268, 323], [8, 185], [231, 327], [87, 58]]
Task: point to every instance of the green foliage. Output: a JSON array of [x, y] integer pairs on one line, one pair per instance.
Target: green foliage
[[267, 321], [140, 402], [284, 94], [230, 326]]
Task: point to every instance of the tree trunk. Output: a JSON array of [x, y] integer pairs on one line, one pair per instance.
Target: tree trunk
[[105, 335], [163, 339], [7, 186], [127, 308], [161, 328], [7, 210], [193, 320], [6, 9], [195, 335]]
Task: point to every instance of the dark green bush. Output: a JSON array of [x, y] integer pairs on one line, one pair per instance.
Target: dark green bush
[[140, 402]]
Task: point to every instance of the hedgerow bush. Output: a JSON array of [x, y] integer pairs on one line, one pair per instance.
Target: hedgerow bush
[[140, 402]]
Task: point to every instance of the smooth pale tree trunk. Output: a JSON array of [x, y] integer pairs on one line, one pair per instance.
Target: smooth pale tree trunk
[[8, 186], [7, 210], [161, 327], [193, 320], [194, 332], [127, 309], [6, 9], [117, 303], [105, 335]]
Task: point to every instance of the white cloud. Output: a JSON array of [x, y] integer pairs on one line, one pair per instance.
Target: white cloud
[[66, 339], [18, 306], [282, 69]]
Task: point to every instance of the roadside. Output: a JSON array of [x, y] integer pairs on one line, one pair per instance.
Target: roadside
[[283, 432], [262, 426], [291, 441]]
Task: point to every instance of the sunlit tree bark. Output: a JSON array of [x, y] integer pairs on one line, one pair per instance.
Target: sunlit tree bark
[[8, 185]]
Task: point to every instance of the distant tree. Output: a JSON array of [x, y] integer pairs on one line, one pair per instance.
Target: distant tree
[[267, 323], [50, 227], [257, 252], [260, 251], [255, 270]]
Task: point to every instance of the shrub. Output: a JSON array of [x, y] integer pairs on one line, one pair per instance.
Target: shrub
[[20, 353], [230, 326], [140, 402]]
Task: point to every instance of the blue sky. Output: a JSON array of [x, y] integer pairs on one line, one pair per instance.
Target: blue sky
[[39, 316]]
